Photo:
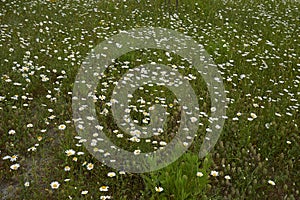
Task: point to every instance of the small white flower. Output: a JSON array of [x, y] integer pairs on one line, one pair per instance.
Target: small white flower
[[159, 189], [55, 185], [84, 192], [32, 148], [214, 173], [62, 127], [267, 125], [26, 184], [70, 152], [103, 188], [137, 152], [278, 114], [122, 172], [255, 105], [13, 158], [90, 166], [29, 125], [193, 119], [11, 132], [199, 174], [227, 177], [104, 197], [111, 174], [271, 182], [185, 144], [15, 166], [253, 115], [67, 168]]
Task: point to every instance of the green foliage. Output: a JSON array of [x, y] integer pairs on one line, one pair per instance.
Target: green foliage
[[179, 180]]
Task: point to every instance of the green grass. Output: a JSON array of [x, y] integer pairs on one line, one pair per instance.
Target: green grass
[[256, 46]]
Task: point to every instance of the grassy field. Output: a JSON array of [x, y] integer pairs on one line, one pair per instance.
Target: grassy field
[[256, 46]]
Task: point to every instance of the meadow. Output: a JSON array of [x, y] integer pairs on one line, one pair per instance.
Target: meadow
[[256, 47]]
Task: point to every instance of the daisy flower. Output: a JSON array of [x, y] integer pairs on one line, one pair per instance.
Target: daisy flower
[[26, 184], [15, 166], [55, 185], [84, 192], [90, 166], [70, 152], [271, 182], [67, 168], [13, 158], [159, 189], [104, 197], [214, 173], [11, 132], [111, 174], [62, 127], [199, 174], [253, 115], [103, 188]]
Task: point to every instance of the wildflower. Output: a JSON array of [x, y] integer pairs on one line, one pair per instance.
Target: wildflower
[[14, 166], [26, 184], [13, 158], [213, 109], [199, 174], [55, 185], [159, 189], [278, 114], [103, 188], [193, 119], [32, 148], [122, 172], [214, 173], [267, 125], [84, 192], [111, 174], [104, 197], [70, 152], [227, 177], [253, 115], [271, 182], [29, 125], [62, 127], [137, 152], [67, 168], [90, 166], [11, 132]]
